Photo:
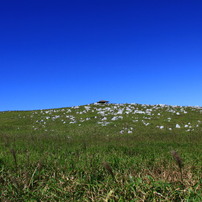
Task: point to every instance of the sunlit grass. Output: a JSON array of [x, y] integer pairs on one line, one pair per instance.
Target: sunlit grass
[[59, 161]]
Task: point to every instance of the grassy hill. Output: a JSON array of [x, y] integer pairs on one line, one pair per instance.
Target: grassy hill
[[102, 152]]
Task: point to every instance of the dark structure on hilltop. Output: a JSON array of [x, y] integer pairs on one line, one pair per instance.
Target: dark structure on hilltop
[[103, 102]]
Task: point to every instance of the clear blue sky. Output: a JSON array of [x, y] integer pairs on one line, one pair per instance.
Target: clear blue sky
[[60, 53]]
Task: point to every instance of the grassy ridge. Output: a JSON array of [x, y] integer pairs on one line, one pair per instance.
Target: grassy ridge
[[61, 154]]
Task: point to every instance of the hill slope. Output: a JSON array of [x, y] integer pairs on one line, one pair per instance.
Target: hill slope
[[117, 118], [58, 154]]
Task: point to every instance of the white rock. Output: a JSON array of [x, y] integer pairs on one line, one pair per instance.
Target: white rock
[[177, 126]]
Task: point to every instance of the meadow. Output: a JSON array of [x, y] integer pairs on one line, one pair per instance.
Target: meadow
[[102, 152]]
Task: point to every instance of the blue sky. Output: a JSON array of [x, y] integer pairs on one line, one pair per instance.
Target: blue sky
[[56, 53]]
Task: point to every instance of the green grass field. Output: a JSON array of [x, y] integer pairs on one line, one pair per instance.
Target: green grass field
[[110, 152]]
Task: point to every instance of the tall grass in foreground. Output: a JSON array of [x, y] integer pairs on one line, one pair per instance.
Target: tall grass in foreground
[[178, 161], [55, 168]]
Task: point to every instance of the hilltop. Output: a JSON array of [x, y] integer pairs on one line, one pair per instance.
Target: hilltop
[[117, 118]]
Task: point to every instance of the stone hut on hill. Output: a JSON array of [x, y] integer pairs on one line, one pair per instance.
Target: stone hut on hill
[[103, 102]]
